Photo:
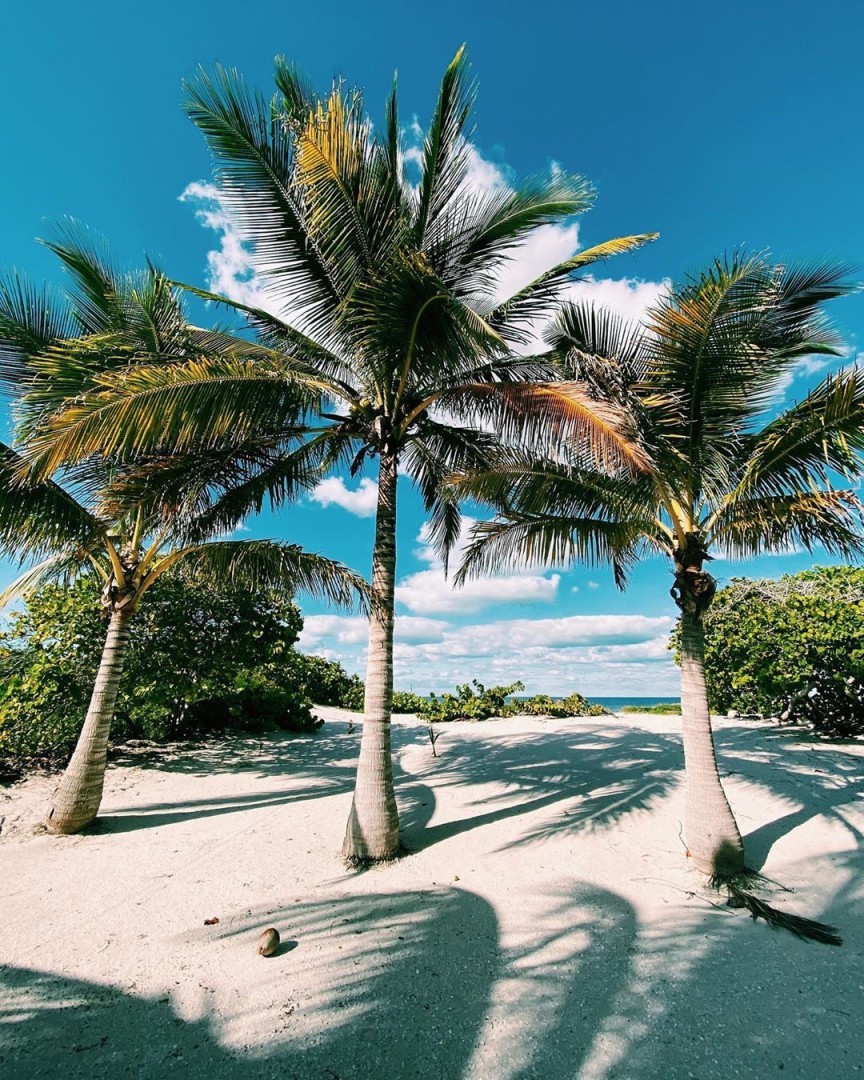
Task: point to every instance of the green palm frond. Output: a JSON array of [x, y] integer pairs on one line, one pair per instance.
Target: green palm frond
[[517, 317], [157, 409], [253, 144], [278, 335], [531, 485], [434, 453], [298, 96], [31, 319], [218, 504], [37, 519], [446, 151], [818, 436], [265, 564], [95, 286], [827, 519], [521, 540], [61, 567], [599, 345], [717, 348], [552, 417]]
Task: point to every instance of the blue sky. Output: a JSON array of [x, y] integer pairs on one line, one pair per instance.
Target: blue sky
[[715, 125]]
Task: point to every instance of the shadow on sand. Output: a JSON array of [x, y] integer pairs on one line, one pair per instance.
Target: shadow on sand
[[411, 982]]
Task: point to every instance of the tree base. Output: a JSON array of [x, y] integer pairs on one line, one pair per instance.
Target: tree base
[[365, 862], [738, 896], [66, 824]]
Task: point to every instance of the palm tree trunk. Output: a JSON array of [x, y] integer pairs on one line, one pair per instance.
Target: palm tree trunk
[[76, 801], [373, 825], [713, 839]]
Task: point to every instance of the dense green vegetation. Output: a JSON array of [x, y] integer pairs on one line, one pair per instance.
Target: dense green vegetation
[[769, 643], [473, 701], [201, 658], [664, 708]]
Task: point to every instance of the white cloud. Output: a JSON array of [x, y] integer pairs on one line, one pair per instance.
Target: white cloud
[[630, 297], [430, 592], [413, 628], [230, 267], [335, 629], [353, 630], [595, 654], [333, 492]]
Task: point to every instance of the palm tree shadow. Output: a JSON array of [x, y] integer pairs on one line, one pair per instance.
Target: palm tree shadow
[[596, 776], [724, 995], [815, 778], [317, 766], [412, 985]]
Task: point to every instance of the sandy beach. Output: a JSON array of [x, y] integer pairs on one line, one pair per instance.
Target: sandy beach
[[544, 924]]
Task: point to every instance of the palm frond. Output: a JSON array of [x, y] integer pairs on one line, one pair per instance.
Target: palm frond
[[265, 564], [550, 540], [549, 416], [220, 503], [431, 456], [517, 317], [95, 286], [829, 519], [806, 929], [446, 152], [253, 143], [484, 230], [38, 518], [31, 319], [598, 344], [818, 436], [62, 567], [276, 334], [157, 409]]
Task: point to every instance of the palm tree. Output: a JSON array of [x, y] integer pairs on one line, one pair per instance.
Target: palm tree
[[700, 378], [130, 552], [129, 526], [391, 313]]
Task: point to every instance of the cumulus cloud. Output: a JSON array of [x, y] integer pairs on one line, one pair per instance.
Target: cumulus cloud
[[346, 631], [230, 267], [333, 491], [431, 592], [595, 654]]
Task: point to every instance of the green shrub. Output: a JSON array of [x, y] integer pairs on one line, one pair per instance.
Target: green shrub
[[467, 703], [201, 659], [768, 643], [665, 708], [405, 701], [573, 705], [326, 682]]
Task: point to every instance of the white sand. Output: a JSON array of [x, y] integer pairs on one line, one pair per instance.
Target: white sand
[[547, 924]]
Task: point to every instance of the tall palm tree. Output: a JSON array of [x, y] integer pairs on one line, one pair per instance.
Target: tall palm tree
[[700, 377], [132, 525], [390, 310], [129, 552]]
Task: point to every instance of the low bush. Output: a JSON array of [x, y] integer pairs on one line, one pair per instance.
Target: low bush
[[405, 701], [201, 659], [473, 701], [665, 708], [789, 648]]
